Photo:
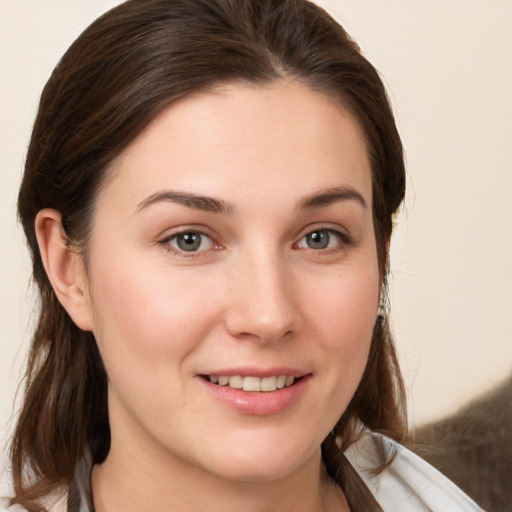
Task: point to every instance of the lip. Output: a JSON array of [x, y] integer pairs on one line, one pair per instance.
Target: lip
[[258, 372], [257, 403]]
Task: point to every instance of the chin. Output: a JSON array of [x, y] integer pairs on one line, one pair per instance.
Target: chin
[[255, 471], [263, 462]]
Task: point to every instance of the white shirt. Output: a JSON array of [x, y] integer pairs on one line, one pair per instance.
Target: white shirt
[[408, 484]]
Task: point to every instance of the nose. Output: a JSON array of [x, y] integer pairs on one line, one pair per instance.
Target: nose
[[263, 300]]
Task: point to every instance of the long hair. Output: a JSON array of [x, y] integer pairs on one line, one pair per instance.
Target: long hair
[[112, 82]]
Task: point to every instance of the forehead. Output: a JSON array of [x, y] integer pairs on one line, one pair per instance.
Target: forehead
[[247, 136]]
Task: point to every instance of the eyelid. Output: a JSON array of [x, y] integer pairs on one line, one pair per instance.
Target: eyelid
[[345, 239], [166, 239]]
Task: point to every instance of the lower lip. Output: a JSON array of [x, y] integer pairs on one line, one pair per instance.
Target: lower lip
[[258, 403]]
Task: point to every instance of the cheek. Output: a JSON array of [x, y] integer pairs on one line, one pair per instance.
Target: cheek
[[148, 324], [347, 306], [145, 318], [345, 315]]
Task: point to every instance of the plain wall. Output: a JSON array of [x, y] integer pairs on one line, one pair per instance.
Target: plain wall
[[448, 69]]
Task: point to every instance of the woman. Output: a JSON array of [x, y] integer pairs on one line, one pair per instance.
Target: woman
[[208, 198]]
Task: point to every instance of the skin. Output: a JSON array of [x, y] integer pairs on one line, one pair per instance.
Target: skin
[[255, 294]]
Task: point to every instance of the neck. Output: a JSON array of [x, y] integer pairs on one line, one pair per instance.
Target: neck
[[166, 483]]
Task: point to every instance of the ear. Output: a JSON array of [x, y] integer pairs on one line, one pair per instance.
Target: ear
[[64, 268]]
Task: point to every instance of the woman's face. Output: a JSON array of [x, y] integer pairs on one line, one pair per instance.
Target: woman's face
[[234, 242]]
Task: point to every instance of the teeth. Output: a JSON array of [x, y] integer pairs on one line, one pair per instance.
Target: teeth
[[236, 382], [281, 381], [254, 383], [269, 384]]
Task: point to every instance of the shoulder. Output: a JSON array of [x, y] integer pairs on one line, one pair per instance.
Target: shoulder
[[408, 483]]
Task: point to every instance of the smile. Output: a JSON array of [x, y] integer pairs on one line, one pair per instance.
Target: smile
[[261, 395], [249, 383]]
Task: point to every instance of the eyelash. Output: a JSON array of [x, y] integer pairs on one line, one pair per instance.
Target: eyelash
[[344, 241], [167, 243]]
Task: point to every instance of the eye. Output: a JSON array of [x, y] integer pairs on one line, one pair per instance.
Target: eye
[[320, 239], [190, 241]]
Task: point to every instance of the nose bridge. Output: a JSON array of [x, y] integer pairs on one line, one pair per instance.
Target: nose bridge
[[263, 304]]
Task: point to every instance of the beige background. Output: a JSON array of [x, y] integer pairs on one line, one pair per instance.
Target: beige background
[[448, 68]]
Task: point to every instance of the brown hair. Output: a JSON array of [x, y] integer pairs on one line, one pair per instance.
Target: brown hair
[[112, 82]]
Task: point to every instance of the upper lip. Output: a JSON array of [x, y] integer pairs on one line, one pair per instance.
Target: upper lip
[[257, 372]]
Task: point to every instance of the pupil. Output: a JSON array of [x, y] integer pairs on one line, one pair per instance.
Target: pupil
[[189, 241], [318, 240]]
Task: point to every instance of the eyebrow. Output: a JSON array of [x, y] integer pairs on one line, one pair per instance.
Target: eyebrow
[[194, 201], [330, 196], [212, 205]]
